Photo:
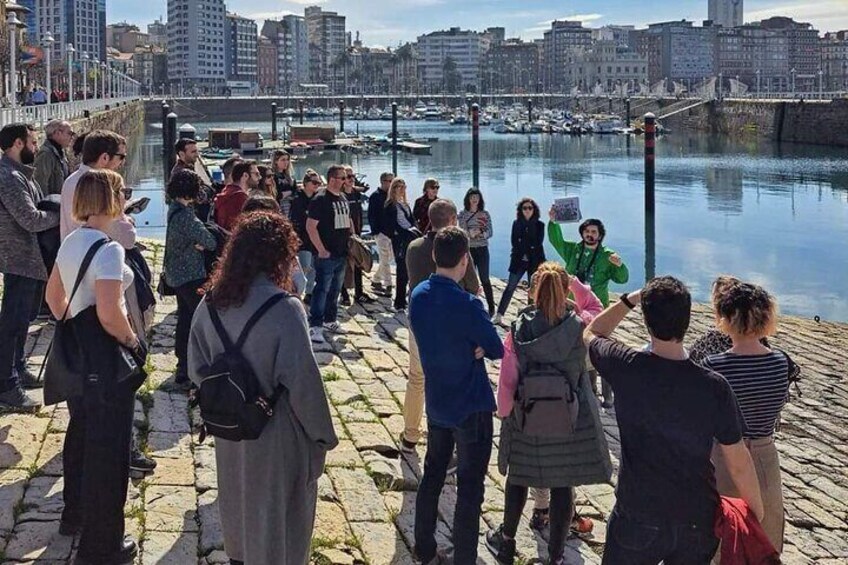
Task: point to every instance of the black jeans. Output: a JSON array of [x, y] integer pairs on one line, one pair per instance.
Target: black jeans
[[187, 302], [21, 299], [512, 284], [399, 246], [637, 540], [480, 255], [473, 440], [561, 514], [95, 460]]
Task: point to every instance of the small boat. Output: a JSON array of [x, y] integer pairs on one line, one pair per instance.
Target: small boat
[[459, 120], [432, 112]]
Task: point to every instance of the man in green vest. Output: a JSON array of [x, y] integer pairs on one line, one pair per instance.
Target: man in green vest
[[593, 264]]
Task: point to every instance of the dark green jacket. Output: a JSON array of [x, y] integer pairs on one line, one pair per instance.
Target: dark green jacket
[[183, 262]]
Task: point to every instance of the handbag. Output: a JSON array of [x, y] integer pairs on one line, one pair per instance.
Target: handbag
[[64, 367]]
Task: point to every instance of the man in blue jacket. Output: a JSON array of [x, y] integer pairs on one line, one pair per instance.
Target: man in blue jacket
[[454, 334]]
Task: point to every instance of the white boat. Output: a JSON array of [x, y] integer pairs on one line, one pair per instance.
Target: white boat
[[432, 112], [607, 124]]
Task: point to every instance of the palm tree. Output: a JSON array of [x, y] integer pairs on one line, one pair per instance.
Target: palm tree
[[343, 61], [451, 78]]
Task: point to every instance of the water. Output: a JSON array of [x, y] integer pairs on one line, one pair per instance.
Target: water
[[773, 214]]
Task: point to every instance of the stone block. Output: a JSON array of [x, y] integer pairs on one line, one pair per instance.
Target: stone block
[[169, 548], [38, 541], [171, 509], [21, 436], [170, 471], [381, 543], [344, 455], [169, 413], [372, 436], [50, 458], [359, 495], [331, 523], [171, 445], [211, 534], [12, 483], [43, 500]]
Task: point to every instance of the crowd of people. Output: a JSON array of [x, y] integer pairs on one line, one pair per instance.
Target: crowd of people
[[272, 257]]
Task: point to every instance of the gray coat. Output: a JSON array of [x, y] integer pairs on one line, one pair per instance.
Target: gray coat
[[51, 168], [580, 459], [20, 220], [267, 488]]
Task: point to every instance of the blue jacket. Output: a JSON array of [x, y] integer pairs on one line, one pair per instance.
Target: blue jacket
[[449, 324]]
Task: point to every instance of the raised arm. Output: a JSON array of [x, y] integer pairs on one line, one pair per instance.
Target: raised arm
[[562, 247]]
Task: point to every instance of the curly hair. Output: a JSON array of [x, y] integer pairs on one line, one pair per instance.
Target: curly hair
[[746, 309], [549, 289], [261, 243], [520, 215]]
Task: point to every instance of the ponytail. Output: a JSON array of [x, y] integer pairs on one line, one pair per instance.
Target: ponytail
[[549, 289]]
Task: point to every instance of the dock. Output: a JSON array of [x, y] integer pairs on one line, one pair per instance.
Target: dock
[[414, 148]]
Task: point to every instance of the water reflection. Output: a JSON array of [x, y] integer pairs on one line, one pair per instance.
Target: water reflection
[[775, 214]]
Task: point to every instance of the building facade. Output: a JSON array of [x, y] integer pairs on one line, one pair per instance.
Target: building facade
[[757, 57], [158, 33], [562, 42], [197, 34], [293, 53], [607, 68], [450, 60], [327, 46], [240, 54], [680, 52], [620, 35], [266, 65], [150, 69], [834, 50], [804, 51], [726, 13], [79, 22], [511, 67]]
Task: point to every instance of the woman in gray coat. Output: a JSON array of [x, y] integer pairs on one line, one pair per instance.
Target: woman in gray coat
[[267, 488]]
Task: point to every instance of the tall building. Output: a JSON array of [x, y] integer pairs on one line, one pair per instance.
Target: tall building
[[293, 53], [804, 51], [758, 57], [511, 66], [606, 68], [327, 46], [726, 13], [79, 22], [150, 68], [562, 42], [125, 37], [158, 33], [266, 65], [450, 60], [240, 53], [834, 49], [620, 35], [196, 52], [679, 51]]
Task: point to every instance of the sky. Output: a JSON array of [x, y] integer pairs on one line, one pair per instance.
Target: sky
[[389, 22]]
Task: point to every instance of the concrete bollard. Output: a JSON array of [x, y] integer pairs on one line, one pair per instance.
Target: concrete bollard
[[475, 144], [394, 138], [273, 121], [650, 197], [187, 131]]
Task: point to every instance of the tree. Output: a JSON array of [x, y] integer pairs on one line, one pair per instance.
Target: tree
[[451, 77], [342, 61]]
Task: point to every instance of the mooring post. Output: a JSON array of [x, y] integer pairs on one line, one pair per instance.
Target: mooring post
[[273, 121], [394, 138], [171, 155], [341, 115], [530, 110], [650, 204], [610, 104], [300, 110], [627, 109], [166, 147], [475, 144]]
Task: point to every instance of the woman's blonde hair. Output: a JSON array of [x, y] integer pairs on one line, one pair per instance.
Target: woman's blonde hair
[[98, 194], [746, 309], [549, 289], [394, 189]]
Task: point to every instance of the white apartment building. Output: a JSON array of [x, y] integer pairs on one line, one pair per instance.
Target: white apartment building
[[240, 53], [327, 41], [293, 53], [196, 45], [466, 48], [607, 67]]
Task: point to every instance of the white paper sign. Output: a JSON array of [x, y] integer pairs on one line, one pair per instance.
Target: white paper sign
[[567, 209]]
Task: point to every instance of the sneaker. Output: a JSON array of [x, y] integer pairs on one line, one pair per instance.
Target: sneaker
[[452, 464], [377, 286], [407, 446], [28, 379], [365, 299], [334, 327], [141, 463], [316, 335], [502, 548], [16, 400], [496, 319], [345, 300], [540, 519]]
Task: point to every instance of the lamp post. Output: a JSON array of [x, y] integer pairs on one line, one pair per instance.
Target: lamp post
[[85, 76], [720, 85], [48, 42], [13, 22], [71, 52], [821, 85], [792, 72], [102, 80], [758, 83]]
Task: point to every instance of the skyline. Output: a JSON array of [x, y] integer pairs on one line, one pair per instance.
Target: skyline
[[399, 21]]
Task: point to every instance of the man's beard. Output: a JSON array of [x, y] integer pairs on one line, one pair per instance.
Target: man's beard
[[27, 156], [589, 240]]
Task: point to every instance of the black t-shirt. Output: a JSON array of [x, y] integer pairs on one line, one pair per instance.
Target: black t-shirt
[[298, 214], [333, 215], [669, 412]]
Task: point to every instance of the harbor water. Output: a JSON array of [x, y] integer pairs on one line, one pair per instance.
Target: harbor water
[[773, 214]]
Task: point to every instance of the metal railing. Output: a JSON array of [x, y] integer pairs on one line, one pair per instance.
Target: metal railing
[[43, 113]]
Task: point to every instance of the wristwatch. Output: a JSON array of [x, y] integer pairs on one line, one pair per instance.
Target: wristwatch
[[627, 302]]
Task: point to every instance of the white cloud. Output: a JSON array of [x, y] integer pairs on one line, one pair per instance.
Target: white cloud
[[546, 25], [826, 15]]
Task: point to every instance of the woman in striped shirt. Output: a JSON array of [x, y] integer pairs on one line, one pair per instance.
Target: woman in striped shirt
[[759, 376]]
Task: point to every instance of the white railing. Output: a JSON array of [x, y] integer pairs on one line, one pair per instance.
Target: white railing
[[41, 114]]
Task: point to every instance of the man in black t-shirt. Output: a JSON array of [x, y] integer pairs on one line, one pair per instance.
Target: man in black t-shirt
[[670, 411], [329, 229]]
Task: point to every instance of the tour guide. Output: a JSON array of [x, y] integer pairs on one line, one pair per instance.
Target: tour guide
[[589, 260]]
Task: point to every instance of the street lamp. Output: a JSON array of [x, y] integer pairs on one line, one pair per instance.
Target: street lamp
[[85, 76], [102, 80], [13, 22], [48, 41], [793, 82], [71, 52]]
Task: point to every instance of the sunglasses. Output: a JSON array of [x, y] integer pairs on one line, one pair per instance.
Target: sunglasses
[[123, 156], [435, 187], [527, 208], [351, 176]]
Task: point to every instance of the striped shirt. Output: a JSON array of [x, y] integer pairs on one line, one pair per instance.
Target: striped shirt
[[761, 385]]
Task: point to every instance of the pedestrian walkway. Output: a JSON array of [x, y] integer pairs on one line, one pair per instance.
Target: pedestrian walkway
[[367, 494]]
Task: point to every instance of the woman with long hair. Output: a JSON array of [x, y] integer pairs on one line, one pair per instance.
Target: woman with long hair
[[544, 368], [528, 252], [477, 223], [422, 205], [267, 487], [267, 182], [97, 444], [759, 376], [399, 225], [283, 169]]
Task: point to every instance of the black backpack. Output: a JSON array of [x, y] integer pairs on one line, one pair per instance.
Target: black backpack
[[232, 405]]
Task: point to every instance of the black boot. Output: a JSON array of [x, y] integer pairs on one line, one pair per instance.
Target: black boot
[[490, 298]]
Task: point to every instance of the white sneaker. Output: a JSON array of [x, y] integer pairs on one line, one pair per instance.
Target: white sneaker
[[496, 319], [334, 327], [316, 335]]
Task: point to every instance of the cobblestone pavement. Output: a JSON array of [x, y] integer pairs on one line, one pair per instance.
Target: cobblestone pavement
[[367, 493]]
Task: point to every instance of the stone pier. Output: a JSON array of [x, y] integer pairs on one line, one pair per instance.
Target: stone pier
[[367, 492]]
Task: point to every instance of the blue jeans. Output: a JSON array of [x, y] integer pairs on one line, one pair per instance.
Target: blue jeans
[[324, 304], [20, 296], [473, 440], [307, 259], [511, 285], [637, 540]]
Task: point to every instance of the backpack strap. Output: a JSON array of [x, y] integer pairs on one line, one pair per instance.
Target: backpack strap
[[222, 332], [86, 263]]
